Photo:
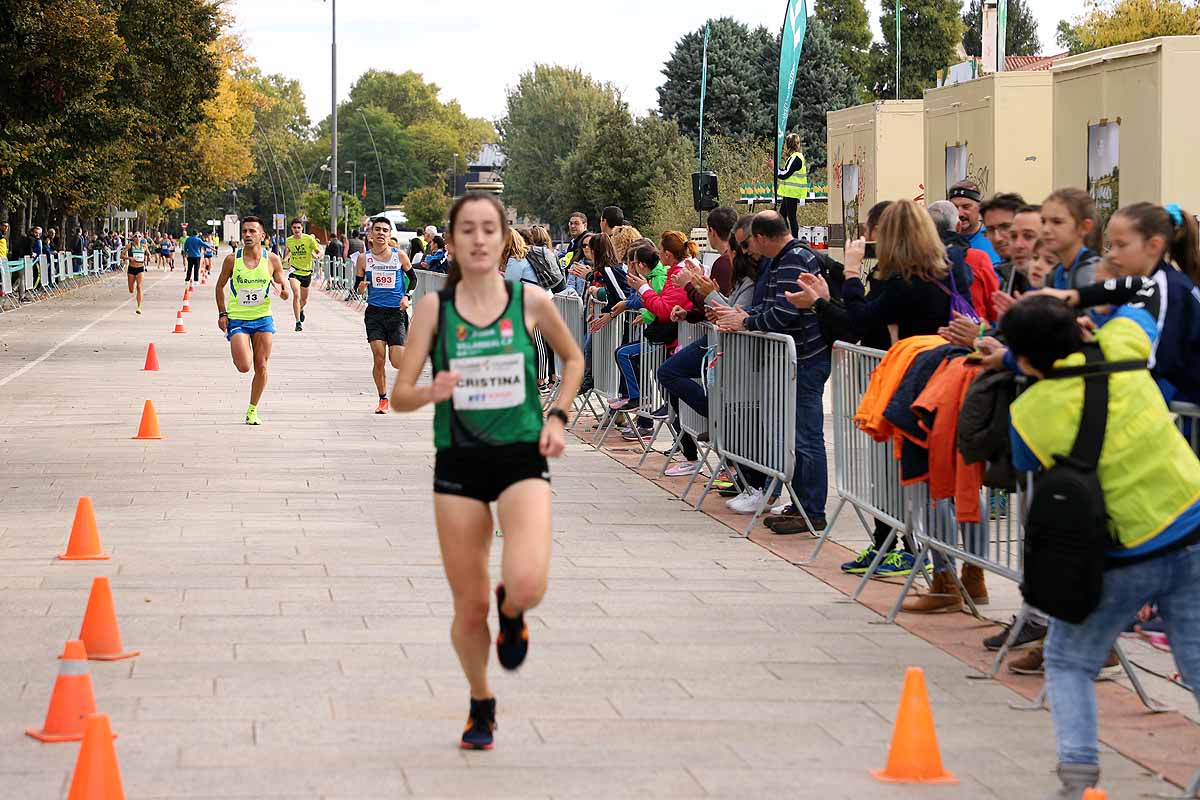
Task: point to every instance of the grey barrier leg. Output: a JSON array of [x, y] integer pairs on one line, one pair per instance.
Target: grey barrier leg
[[1018, 623], [1190, 792], [675, 446], [1152, 705], [1037, 704], [768, 490], [880, 554], [966, 596], [705, 450], [912, 576], [648, 447], [825, 534], [722, 464]]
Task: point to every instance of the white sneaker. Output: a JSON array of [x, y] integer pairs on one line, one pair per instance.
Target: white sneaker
[[682, 469], [782, 507], [731, 502], [747, 502]]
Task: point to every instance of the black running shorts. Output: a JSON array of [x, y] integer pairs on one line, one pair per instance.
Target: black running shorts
[[386, 325], [136, 270], [484, 473], [303, 280]]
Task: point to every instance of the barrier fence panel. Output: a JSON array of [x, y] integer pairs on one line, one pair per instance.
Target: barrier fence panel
[[690, 421], [1187, 416], [652, 400], [606, 378], [571, 309], [755, 421], [866, 476]]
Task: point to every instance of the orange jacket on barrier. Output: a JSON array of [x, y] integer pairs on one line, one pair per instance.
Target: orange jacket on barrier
[[949, 475], [885, 379]]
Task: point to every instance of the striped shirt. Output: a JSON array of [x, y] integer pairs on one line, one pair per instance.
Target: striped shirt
[[776, 315]]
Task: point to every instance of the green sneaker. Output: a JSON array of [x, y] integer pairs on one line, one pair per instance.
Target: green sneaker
[[252, 417], [861, 562]]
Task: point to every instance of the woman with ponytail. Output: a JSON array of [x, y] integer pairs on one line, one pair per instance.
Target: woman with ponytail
[[1161, 244]]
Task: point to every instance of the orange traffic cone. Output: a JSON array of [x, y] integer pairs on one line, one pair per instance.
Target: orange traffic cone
[[187, 290], [1095, 794], [204, 278], [179, 323], [151, 359], [187, 309], [97, 773], [148, 429], [71, 701], [913, 756], [84, 544], [100, 633]]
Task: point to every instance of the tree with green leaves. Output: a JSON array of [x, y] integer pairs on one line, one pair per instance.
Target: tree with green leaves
[[426, 205], [848, 26], [930, 32], [737, 56], [1120, 21], [547, 113], [1020, 38], [315, 203]]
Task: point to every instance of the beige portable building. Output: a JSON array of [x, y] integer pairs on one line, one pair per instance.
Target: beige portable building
[[1127, 123], [994, 130], [875, 152]]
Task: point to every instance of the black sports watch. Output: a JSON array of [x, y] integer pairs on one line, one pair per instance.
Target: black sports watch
[[558, 414]]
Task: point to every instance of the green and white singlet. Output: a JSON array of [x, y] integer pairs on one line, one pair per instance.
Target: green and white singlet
[[496, 401]]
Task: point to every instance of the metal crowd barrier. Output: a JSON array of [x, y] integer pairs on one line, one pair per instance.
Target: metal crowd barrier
[[1187, 416], [690, 421], [51, 274], [866, 476], [754, 419], [606, 378], [651, 397]]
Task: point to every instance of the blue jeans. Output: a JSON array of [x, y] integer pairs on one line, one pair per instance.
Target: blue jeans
[[1075, 653], [678, 375], [625, 355], [810, 479]]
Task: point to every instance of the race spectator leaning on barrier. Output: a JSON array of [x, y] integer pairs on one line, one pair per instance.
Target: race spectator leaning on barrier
[[771, 238], [577, 226], [514, 265], [966, 197], [1143, 529], [1071, 231], [966, 263], [605, 279]]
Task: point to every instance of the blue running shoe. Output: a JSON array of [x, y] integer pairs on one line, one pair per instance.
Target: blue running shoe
[[861, 562], [896, 564]]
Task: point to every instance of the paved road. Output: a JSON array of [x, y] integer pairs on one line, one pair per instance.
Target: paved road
[[284, 588]]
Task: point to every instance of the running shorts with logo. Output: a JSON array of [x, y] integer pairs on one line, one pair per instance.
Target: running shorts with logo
[[386, 287], [250, 298], [487, 433]]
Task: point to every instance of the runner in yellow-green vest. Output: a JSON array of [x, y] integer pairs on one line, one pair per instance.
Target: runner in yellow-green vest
[[299, 250], [793, 181], [244, 314], [491, 438]]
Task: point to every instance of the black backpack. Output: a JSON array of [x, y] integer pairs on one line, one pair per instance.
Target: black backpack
[[1066, 529], [550, 276]]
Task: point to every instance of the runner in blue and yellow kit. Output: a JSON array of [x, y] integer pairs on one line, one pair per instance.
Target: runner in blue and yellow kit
[[492, 441], [299, 250], [245, 315], [389, 280]]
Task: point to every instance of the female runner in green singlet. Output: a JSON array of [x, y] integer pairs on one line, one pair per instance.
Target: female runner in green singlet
[[492, 441]]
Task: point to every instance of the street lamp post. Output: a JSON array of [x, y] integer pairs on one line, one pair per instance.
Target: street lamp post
[[353, 173], [333, 170]]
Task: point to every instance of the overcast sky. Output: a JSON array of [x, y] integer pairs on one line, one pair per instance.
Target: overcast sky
[[478, 48]]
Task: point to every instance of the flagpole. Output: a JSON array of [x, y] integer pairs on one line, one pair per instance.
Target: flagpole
[[787, 7], [378, 163], [703, 89]]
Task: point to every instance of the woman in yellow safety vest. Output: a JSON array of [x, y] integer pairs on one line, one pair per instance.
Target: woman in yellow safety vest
[[793, 181]]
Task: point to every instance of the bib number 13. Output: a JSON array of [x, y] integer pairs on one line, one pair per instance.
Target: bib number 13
[[250, 297]]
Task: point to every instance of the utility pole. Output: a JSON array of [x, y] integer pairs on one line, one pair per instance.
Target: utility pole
[[897, 50]]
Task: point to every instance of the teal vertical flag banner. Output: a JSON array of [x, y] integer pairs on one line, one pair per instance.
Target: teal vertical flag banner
[[791, 41], [703, 92]]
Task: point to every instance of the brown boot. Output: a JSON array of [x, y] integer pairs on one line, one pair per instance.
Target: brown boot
[[972, 579], [943, 596]]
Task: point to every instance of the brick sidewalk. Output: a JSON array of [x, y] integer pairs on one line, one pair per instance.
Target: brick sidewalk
[[284, 588]]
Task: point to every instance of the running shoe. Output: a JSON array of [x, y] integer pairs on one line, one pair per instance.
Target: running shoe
[[861, 562], [383, 406], [299, 327], [896, 564], [512, 642], [787, 525], [481, 722], [1031, 632], [626, 404], [617, 402], [252, 417], [139, 310], [747, 502], [302, 315], [682, 469], [637, 435]]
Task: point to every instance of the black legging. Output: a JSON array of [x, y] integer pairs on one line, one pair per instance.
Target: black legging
[[788, 207]]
